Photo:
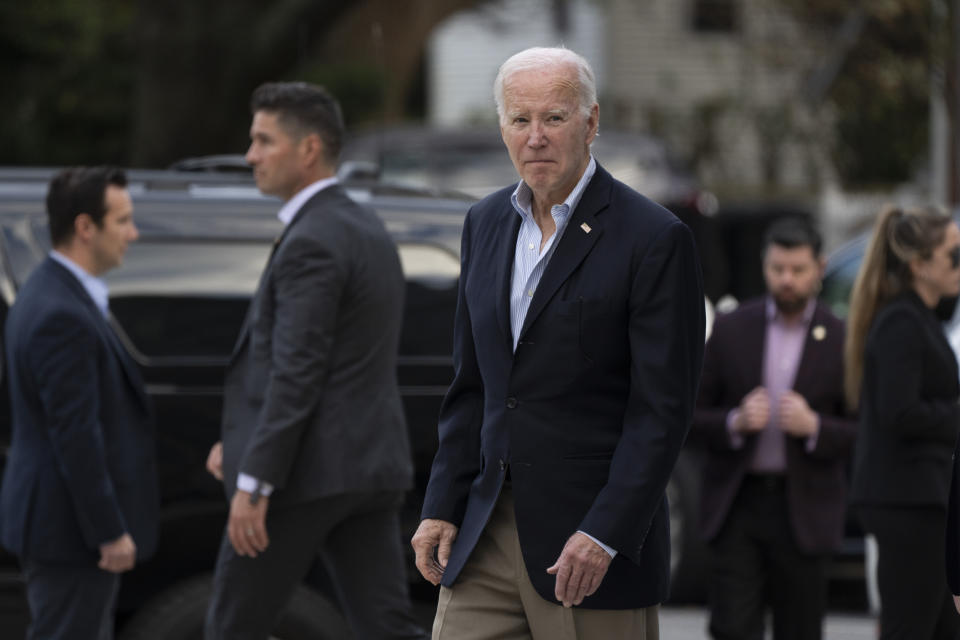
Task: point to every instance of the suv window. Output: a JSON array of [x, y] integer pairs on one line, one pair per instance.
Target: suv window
[[188, 299], [185, 299]]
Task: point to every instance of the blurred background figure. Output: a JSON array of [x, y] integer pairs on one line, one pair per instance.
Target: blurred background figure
[[902, 373], [79, 501], [772, 420]]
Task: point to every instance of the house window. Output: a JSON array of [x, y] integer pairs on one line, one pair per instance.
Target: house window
[[715, 15]]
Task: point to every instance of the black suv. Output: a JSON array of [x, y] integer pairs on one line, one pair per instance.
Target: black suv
[[178, 303]]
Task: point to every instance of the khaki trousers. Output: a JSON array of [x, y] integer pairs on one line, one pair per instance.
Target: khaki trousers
[[493, 598]]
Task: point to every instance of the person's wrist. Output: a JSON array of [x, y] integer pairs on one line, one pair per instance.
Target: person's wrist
[[257, 492]]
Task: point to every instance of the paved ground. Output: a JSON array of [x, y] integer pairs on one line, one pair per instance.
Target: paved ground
[[690, 623]]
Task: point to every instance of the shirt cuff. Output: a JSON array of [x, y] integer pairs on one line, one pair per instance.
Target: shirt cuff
[[736, 440], [249, 484], [811, 443], [610, 551]]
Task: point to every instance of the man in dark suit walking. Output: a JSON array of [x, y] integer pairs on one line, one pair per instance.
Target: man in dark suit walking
[[771, 417], [79, 496], [578, 340], [315, 456]]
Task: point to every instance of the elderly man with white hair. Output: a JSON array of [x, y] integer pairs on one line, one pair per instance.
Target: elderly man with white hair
[[577, 349]]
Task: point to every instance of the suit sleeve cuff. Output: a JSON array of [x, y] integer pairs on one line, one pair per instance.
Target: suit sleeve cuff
[[610, 551], [250, 484], [736, 440], [811, 443]]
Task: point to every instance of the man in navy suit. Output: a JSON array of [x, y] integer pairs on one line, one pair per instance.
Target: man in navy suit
[[772, 419], [79, 497], [577, 352]]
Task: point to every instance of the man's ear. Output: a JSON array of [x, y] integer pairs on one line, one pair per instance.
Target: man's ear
[[83, 225], [313, 149]]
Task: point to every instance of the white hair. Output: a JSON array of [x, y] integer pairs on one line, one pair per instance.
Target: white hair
[[539, 58]]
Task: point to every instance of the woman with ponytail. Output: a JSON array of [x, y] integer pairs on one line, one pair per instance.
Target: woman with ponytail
[[902, 374]]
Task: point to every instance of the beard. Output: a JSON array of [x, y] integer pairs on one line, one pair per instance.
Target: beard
[[790, 304]]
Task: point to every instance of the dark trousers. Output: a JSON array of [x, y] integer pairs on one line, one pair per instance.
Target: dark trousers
[[915, 602], [70, 603], [755, 563], [357, 536]]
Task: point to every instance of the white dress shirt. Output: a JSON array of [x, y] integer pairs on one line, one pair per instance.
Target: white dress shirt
[[95, 287]]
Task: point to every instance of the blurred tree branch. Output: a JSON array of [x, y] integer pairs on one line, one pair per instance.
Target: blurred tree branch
[[140, 82], [873, 74]]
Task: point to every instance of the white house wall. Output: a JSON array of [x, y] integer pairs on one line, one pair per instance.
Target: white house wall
[[466, 50]]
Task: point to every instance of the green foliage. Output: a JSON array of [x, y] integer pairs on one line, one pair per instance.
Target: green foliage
[[66, 83], [882, 125], [358, 85], [881, 94]]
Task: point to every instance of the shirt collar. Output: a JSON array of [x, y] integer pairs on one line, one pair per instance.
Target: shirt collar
[[522, 197], [96, 287], [291, 206], [773, 314]]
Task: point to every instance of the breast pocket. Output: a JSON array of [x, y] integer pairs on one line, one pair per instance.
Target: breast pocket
[[595, 323]]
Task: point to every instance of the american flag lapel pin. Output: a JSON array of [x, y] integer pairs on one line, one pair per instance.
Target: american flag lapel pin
[[586, 228]]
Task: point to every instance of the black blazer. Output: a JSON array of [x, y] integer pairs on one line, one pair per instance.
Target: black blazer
[[82, 468], [311, 403], [816, 480], [909, 416], [591, 410]]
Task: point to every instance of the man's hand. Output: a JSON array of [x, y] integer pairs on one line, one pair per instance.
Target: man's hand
[[118, 555], [247, 526], [579, 569], [215, 461], [754, 411], [956, 603], [795, 416], [433, 534]]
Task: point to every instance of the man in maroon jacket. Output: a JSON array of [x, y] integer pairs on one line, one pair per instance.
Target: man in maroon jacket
[[771, 418]]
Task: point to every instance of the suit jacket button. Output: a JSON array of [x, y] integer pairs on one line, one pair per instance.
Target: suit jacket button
[[503, 464], [511, 403]]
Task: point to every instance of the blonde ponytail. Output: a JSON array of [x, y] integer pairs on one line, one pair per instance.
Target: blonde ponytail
[[898, 237]]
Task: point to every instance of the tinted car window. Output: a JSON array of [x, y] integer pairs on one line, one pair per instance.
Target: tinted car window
[[190, 268], [179, 299], [188, 299], [838, 285], [429, 264], [24, 245]]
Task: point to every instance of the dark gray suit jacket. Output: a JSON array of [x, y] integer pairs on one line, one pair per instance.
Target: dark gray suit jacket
[[311, 403]]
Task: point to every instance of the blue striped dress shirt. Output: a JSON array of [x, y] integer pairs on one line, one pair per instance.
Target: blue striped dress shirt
[[529, 260]]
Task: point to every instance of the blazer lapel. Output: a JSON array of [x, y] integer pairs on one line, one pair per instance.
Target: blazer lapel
[[506, 250], [813, 345], [126, 364], [581, 234], [753, 342], [244, 334]]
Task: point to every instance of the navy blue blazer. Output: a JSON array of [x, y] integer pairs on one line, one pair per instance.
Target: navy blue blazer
[[81, 469], [591, 410]]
